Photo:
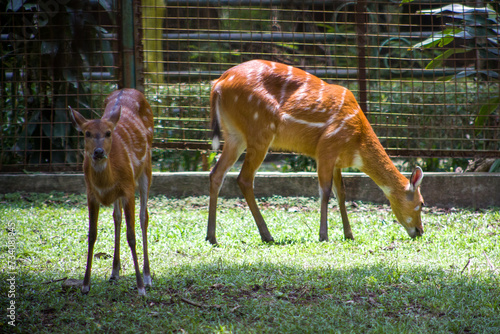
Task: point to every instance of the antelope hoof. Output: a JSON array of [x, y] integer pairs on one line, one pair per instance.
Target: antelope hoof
[[142, 291], [147, 280], [269, 240], [85, 289], [323, 238], [212, 240], [349, 236]]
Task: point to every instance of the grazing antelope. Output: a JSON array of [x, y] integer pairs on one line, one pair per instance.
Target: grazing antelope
[[117, 160], [261, 104]]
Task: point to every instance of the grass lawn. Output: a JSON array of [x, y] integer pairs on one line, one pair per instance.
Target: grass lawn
[[383, 282]]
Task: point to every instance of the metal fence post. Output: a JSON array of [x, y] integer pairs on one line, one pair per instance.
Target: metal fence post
[[361, 21], [132, 64]]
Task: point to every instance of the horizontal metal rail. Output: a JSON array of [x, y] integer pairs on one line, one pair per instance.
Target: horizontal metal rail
[[338, 73], [281, 37], [202, 145]]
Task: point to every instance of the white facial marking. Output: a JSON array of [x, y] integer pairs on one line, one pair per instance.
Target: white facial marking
[[250, 97], [256, 116], [236, 98], [417, 208], [231, 78], [272, 126], [409, 220]]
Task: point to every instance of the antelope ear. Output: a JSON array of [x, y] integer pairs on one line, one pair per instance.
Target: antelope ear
[[77, 119], [416, 178], [114, 115]]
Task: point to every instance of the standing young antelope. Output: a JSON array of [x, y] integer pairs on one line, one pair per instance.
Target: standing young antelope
[[117, 160], [261, 104]]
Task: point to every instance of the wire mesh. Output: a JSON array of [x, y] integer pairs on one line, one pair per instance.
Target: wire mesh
[[367, 46], [55, 54], [423, 99]]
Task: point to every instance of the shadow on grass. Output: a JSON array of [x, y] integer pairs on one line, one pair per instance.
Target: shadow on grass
[[264, 297]]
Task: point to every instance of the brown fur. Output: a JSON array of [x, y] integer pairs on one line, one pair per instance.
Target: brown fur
[[124, 134], [261, 105]]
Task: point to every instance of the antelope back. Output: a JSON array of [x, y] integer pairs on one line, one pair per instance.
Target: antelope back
[[117, 146], [132, 137]]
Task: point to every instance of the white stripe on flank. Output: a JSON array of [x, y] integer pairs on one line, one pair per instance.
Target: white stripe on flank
[[342, 124], [320, 95], [285, 85], [342, 98], [303, 92], [268, 99], [296, 120], [337, 130]]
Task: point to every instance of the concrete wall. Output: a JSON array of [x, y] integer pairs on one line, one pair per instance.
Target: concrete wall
[[476, 190]]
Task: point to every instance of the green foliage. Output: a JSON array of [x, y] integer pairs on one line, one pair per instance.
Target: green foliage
[[383, 282], [180, 160], [50, 47], [478, 28]]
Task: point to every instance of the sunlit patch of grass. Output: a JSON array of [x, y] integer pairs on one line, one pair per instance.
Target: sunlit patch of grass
[[446, 281]]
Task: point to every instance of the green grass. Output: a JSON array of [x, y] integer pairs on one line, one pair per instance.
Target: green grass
[[383, 282]]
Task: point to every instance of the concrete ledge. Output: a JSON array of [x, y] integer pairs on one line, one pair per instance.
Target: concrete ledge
[[474, 190]]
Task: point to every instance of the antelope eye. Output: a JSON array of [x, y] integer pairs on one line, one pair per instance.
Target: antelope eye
[[87, 134], [108, 134]]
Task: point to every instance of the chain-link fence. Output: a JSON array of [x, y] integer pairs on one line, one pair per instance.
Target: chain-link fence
[[368, 46], [54, 53], [425, 75]]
